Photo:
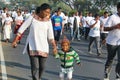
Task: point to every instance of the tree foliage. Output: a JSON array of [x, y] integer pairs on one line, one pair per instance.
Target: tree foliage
[[68, 5]]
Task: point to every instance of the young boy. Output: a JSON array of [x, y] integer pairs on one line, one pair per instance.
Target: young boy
[[67, 57]]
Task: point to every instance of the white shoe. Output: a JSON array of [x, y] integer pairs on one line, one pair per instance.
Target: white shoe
[[106, 78], [79, 39], [90, 52]]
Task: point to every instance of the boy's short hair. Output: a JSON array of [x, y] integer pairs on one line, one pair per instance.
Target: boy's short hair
[[65, 40]]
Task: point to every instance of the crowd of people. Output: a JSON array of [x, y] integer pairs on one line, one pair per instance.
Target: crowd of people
[[101, 29]]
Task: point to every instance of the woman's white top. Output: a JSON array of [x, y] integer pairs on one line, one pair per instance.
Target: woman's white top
[[19, 20], [39, 34]]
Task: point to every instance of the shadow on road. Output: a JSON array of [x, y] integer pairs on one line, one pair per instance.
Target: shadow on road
[[74, 76], [15, 64]]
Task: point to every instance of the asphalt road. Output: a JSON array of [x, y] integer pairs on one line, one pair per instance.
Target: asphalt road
[[17, 65]]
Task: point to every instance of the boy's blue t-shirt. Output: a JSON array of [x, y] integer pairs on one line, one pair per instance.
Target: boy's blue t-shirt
[[57, 22]]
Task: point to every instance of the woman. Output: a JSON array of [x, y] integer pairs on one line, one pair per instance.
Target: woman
[[18, 23], [7, 30], [37, 42]]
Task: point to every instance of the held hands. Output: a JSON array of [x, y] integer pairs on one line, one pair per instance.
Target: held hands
[[55, 51], [56, 56], [14, 44]]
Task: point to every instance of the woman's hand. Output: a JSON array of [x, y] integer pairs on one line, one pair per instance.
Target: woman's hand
[[14, 44], [15, 41], [54, 46], [117, 26], [55, 51]]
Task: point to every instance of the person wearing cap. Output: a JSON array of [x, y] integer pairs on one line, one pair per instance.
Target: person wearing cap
[[113, 44], [67, 57]]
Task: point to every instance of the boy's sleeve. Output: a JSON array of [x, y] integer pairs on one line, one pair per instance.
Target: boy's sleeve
[[56, 56], [76, 56]]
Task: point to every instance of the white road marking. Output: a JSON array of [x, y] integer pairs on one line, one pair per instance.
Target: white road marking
[[3, 66]]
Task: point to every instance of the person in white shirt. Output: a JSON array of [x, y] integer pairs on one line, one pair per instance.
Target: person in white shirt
[[81, 28], [14, 14], [94, 34], [71, 23], [76, 26], [83, 25], [5, 10], [41, 32], [103, 20], [87, 28], [26, 15], [66, 22], [18, 22], [113, 43], [7, 30]]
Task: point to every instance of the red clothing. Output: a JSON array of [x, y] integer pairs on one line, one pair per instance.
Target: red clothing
[[16, 30]]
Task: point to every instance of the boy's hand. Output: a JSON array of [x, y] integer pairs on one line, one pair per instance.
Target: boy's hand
[[79, 64], [56, 56], [55, 51]]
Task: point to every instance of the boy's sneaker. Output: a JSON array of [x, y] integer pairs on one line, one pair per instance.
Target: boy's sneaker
[[90, 52], [117, 76], [106, 78], [79, 39], [98, 54]]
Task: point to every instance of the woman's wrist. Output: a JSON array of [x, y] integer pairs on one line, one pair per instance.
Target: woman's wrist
[[18, 34], [114, 27], [54, 47]]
